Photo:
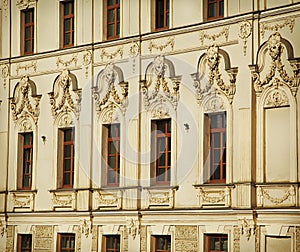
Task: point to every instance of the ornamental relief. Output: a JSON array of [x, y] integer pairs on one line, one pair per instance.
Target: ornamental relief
[[287, 22], [65, 97], [64, 200], [25, 101], [276, 98], [107, 200], [209, 80], [215, 196], [160, 198], [245, 31], [276, 73], [158, 85], [24, 4], [111, 90], [23, 200], [133, 227]]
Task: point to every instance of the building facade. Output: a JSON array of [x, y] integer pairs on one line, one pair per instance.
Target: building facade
[[150, 125]]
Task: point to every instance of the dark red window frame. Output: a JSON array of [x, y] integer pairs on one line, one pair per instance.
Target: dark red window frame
[[162, 14], [113, 19], [112, 243], [218, 147], [68, 157], [66, 242], [68, 23], [162, 243], [162, 129], [215, 9], [216, 243], [27, 155], [28, 31], [24, 243], [113, 154]]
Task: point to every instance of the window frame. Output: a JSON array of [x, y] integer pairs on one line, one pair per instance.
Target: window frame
[[117, 242], [20, 247], [70, 16], [221, 147], [60, 243], [156, 153], [168, 239], [208, 238], [107, 139], [115, 7], [24, 26], [218, 8], [166, 15], [61, 157]]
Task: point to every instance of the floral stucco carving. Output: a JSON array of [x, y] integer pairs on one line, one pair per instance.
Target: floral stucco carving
[[111, 91], [25, 101], [288, 22], [65, 98], [224, 32], [158, 85], [214, 83], [277, 73], [23, 4], [161, 47], [245, 31]]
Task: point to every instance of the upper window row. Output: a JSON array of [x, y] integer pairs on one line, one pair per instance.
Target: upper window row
[[215, 10]]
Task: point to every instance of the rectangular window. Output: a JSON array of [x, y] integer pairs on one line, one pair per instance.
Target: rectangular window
[[111, 153], [217, 135], [113, 19], [162, 10], [66, 152], [24, 243], [25, 160], [215, 9], [161, 243], [66, 243], [216, 243], [67, 10], [111, 243], [27, 17], [161, 151]]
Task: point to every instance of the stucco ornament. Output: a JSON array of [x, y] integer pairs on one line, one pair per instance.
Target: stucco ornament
[[158, 86], [133, 227], [65, 98], [25, 102], [111, 91], [245, 31], [276, 74], [209, 80]]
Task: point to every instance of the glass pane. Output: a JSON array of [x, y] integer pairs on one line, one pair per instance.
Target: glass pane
[[162, 160], [111, 16], [67, 25], [224, 156], [161, 174], [67, 151], [27, 154], [27, 46], [169, 174], [67, 8], [67, 180], [111, 30], [212, 11], [112, 161], [68, 135], [110, 2], [26, 182], [118, 29], [169, 143], [27, 32], [67, 165], [221, 8], [112, 147], [224, 121], [160, 243], [224, 139], [27, 138], [161, 126], [118, 14], [27, 168], [28, 17], [224, 244], [161, 144], [72, 242], [217, 156], [216, 172], [169, 159], [216, 139]]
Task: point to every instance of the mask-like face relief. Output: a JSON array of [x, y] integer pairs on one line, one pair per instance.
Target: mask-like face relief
[[159, 65], [109, 74], [213, 56], [274, 46]]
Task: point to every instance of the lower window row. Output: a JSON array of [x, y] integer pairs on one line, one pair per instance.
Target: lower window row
[[111, 243]]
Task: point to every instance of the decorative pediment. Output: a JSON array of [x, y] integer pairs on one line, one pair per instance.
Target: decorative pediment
[[111, 90], [276, 73], [24, 4], [66, 96], [25, 101], [160, 81], [209, 78], [276, 98]]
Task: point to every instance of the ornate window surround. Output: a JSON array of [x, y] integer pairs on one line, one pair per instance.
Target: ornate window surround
[[285, 90], [65, 111], [215, 94], [110, 103]]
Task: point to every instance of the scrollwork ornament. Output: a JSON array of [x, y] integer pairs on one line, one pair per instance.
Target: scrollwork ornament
[[244, 33], [24, 104], [26, 67], [110, 56], [24, 4], [67, 63], [288, 22], [276, 98], [86, 61], [224, 32], [4, 74], [169, 43]]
